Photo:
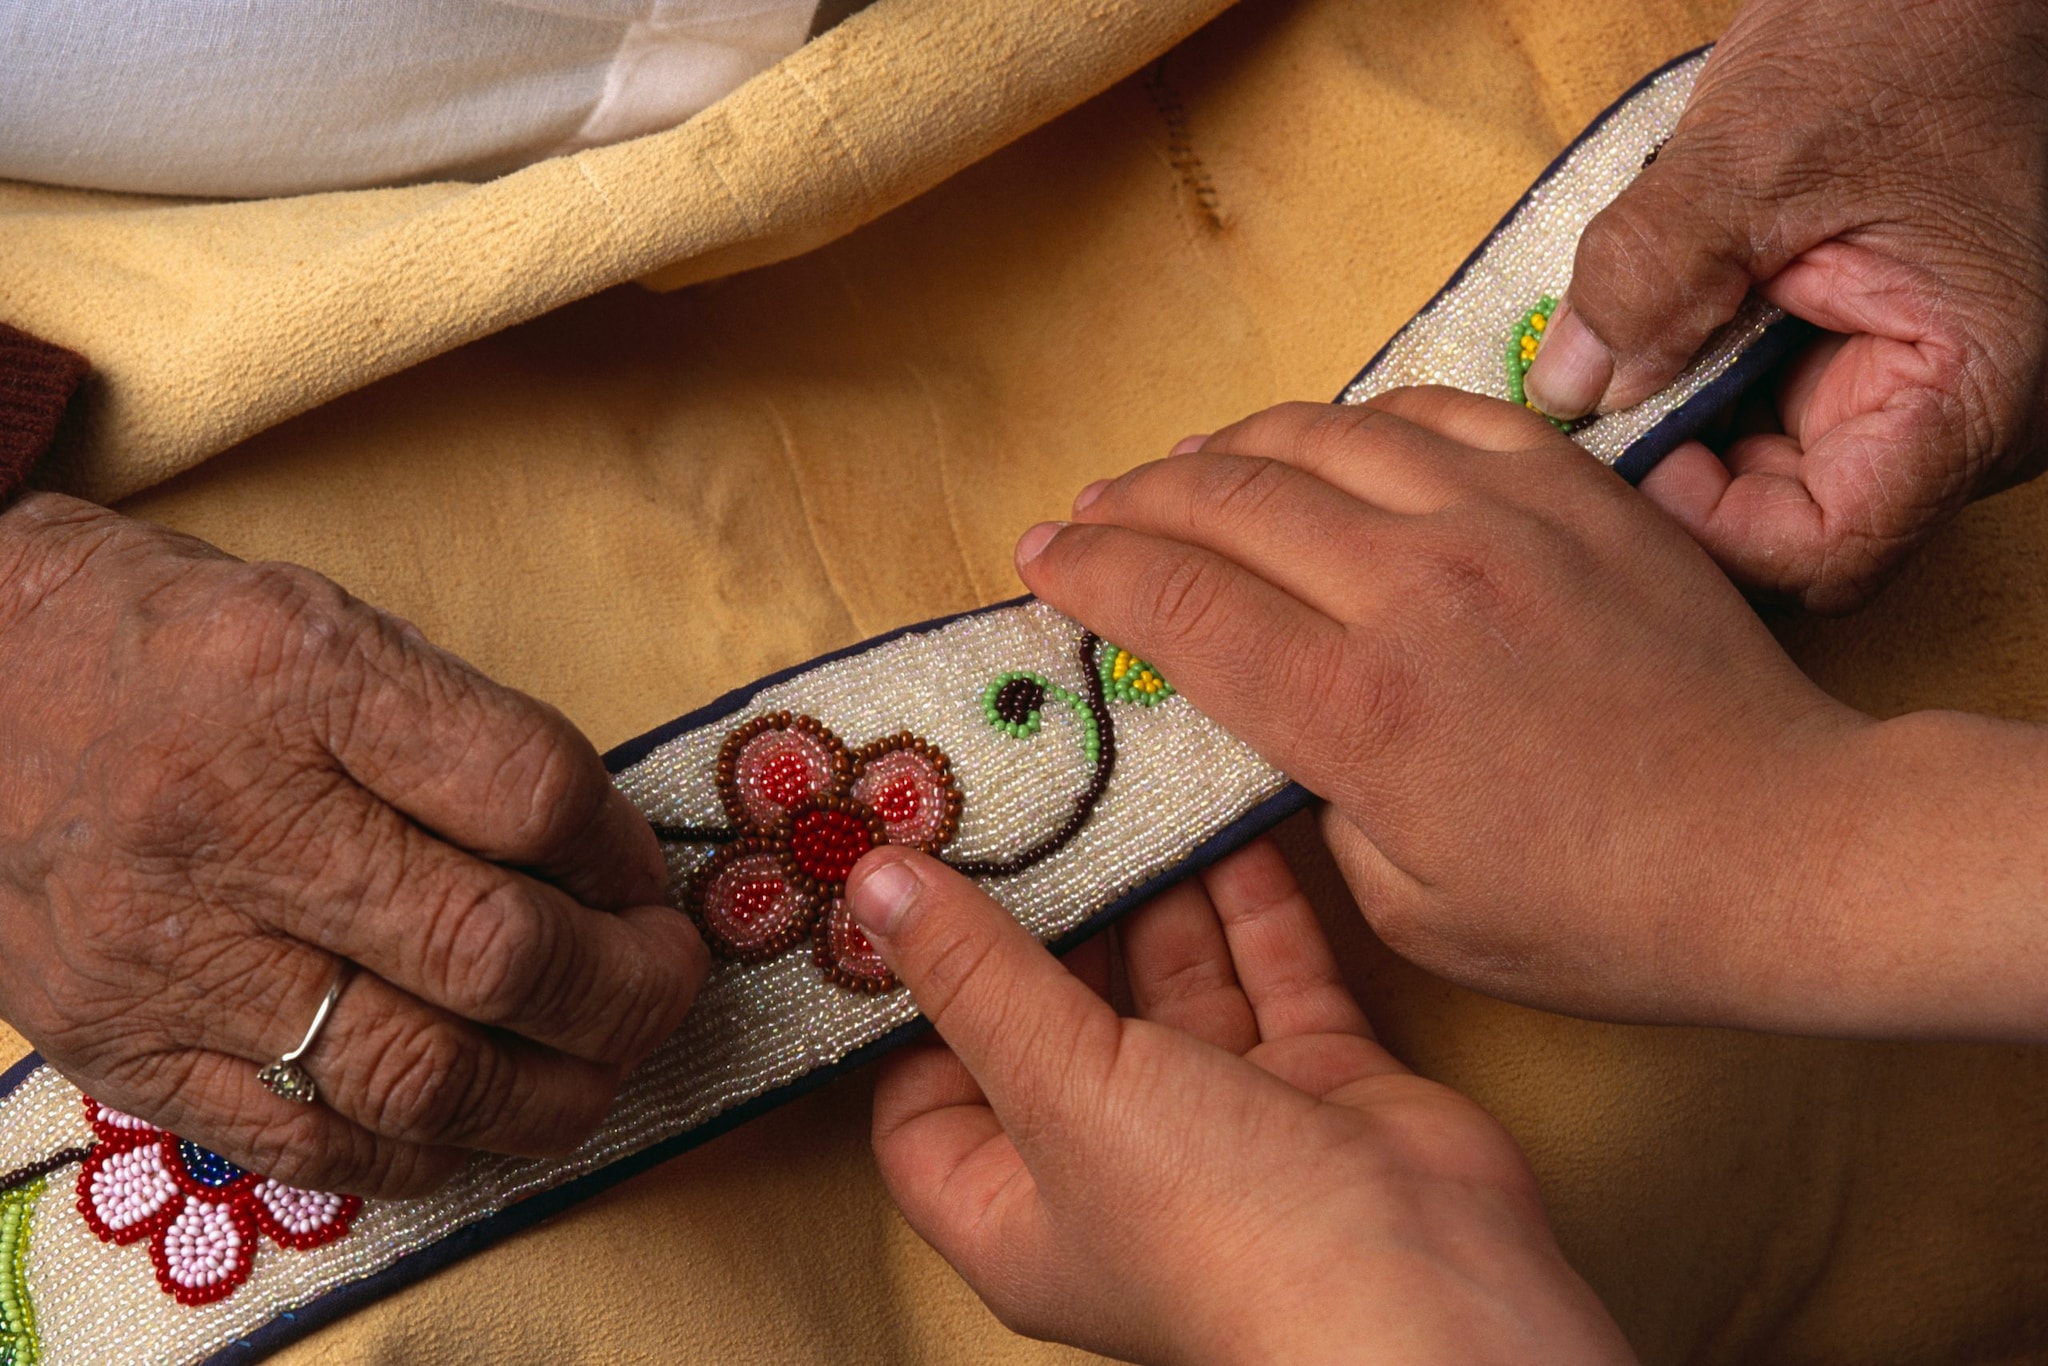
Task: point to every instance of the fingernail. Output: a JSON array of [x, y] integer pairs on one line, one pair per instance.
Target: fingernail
[[1033, 542], [1188, 445], [1571, 370], [1089, 494], [879, 899]]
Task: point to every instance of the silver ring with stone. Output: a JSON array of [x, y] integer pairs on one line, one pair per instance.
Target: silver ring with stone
[[288, 1077]]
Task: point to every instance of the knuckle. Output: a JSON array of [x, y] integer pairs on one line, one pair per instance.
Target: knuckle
[[272, 630], [1652, 281], [953, 968], [299, 1149], [490, 950], [551, 778], [1356, 702], [1476, 567], [653, 993], [160, 799], [1281, 424], [1182, 600], [1626, 242], [423, 1081], [277, 613], [1236, 490], [1193, 978], [1316, 436]]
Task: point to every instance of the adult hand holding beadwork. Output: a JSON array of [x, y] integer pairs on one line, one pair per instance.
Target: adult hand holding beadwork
[[1879, 168], [1565, 761], [225, 782], [1238, 1174]]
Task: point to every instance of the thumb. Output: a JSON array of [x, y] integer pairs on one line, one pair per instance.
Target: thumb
[[1036, 1038], [1657, 271]]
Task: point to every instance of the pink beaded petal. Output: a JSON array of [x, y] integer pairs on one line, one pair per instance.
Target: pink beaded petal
[[302, 1219], [205, 1252], [126, 1194], [777, 762], [750, 902], [847, 956], [116, 1126], [908, 785]]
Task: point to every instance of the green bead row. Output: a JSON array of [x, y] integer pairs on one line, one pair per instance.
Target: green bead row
[[1091, 739], [18, 1345]]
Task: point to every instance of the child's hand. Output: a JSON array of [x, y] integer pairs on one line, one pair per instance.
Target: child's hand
[[1566, 761], [1241, 1174]]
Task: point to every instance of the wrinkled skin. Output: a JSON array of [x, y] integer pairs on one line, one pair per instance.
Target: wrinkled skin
[[1879, 168], [1236, 1172], [223, 779]]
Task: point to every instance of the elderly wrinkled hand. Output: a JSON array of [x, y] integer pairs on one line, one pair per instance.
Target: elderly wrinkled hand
[[1238, 1173], [223, 781], [1880, 169]]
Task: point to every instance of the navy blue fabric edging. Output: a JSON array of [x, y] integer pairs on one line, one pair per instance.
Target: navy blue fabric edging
[[1684, 422], [19, 1073], [416, 1266]]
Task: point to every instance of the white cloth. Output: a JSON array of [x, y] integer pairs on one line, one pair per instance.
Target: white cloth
[[241, 98]]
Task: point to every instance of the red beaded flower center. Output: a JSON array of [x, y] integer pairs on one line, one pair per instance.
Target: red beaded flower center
[[827, 843], [786, 779], [899, 802], [755, 897]]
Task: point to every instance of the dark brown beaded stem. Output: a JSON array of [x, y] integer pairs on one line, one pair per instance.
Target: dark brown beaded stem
[[696, 834], [1084, 805], [36, 1170]]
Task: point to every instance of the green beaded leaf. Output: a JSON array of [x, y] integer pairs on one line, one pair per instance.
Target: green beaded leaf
[[18, 1345], [1127, 678], [1524, 339]]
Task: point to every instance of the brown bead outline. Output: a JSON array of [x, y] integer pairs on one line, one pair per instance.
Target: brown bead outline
[[826, 956], [726, 773], [783, 940], [785, 829], [949, 822]]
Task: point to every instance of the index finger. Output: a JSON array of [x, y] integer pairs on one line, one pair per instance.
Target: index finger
[[1036, 1038]]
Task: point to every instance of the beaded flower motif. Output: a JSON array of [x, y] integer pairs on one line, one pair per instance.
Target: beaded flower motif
[[803, 808], [200, 1212]]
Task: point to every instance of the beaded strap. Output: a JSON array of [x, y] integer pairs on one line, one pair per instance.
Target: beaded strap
[[1062, 771]]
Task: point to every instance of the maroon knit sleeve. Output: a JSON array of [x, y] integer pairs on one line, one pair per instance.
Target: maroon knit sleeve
[[37, 381]]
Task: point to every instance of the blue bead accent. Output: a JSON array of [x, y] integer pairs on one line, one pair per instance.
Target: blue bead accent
[[207, 1168]]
